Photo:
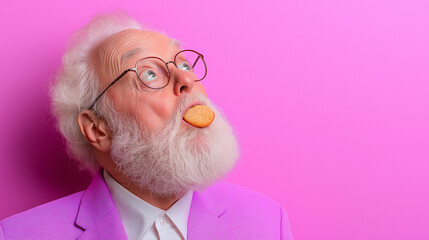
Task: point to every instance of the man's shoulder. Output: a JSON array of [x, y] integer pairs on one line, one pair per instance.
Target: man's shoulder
[[239, 197], [44, 218], [55, 209], [246, 213]]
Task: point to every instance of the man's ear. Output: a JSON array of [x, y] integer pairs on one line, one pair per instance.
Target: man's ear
[[95, 130]]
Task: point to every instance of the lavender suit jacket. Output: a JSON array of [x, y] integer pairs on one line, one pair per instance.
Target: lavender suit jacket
[[223, 211]]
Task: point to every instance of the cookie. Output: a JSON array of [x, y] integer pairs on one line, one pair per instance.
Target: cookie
[[199, 116]]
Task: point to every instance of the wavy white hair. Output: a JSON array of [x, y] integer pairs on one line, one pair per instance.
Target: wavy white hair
[[76, 86]]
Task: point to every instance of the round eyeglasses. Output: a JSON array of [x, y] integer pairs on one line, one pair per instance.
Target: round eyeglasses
[[154, 72]]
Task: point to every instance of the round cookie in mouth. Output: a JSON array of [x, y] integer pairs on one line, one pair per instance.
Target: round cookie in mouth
[[199, 116]]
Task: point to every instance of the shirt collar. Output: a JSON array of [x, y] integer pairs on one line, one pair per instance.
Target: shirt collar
[[138, 215], [179, 213]]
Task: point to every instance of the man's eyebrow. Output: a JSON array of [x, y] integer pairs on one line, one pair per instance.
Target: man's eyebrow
[[130, 54]]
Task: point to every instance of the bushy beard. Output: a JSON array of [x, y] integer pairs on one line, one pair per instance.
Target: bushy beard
[[177, 158]]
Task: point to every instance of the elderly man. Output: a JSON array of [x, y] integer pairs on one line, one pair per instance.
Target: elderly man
[[132, 109]]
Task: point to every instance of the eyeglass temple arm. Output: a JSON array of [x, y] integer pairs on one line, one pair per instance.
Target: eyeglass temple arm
[[114, 81]]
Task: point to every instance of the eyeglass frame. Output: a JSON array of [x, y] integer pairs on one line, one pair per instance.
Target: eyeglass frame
[[134, 69]]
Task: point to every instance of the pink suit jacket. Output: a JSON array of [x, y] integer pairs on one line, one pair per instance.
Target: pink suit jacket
[[222, 211]]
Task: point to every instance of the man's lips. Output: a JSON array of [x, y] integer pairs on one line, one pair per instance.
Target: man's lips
[[189, 106]]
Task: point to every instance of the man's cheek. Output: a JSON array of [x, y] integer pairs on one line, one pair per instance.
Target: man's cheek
[[162, 113]]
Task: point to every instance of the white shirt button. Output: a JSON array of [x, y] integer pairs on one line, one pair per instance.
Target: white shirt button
[[163, 222]]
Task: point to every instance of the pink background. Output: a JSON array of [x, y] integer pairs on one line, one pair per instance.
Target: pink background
[[329, 99]]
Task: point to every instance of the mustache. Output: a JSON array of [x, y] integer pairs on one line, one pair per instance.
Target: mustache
[[183, 104]]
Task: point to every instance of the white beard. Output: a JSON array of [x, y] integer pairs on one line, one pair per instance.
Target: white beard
[[177, 158]]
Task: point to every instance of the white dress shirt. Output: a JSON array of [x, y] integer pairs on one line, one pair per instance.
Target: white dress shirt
[[143, 221]]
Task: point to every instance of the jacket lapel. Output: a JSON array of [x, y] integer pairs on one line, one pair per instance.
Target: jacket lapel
[[97, 214], [204, 220]]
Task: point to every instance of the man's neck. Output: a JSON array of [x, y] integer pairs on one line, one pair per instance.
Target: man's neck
[[161, 202]]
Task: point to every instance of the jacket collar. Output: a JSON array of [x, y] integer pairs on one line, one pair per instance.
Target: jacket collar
[[204, 220], [97, 214]]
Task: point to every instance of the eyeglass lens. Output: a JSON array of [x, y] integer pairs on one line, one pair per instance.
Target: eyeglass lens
[[189, 60]]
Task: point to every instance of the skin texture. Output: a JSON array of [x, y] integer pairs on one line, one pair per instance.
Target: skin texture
[[129, 96]]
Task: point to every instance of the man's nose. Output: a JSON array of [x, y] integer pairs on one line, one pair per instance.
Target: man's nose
[[183, 81]]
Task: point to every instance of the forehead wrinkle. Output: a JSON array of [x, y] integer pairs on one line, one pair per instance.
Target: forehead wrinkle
[[110, 55], [108, 61]]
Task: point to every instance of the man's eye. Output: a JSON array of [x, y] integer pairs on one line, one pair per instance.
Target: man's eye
[[185, 66], [149, 75]]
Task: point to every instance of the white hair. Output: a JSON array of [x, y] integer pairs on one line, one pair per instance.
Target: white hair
[[76, 86]]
